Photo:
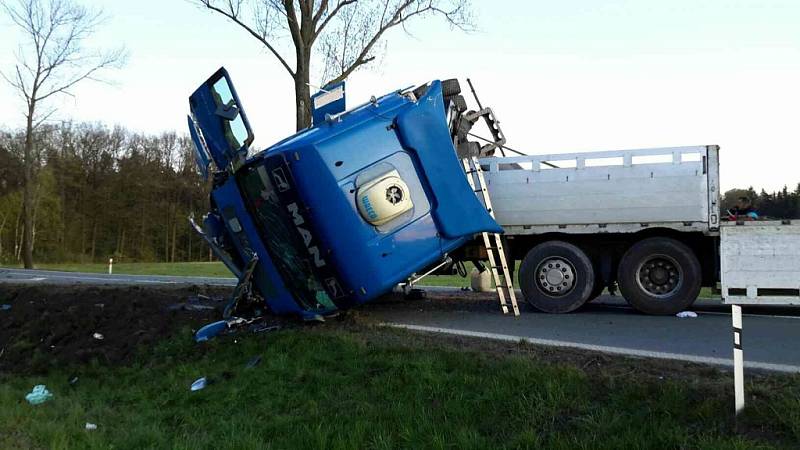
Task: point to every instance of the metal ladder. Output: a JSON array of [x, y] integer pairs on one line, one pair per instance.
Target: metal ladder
[[502, 279]]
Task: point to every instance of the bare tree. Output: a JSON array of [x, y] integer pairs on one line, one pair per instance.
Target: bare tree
[[51, 60], [350, 32]]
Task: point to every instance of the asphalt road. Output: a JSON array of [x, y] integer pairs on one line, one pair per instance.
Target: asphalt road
[[770, 334], [55, 277]]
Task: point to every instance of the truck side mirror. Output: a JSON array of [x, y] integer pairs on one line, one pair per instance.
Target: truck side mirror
[[221, 119]]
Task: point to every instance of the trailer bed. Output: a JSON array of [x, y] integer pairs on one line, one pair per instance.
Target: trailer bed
[[611, 191]]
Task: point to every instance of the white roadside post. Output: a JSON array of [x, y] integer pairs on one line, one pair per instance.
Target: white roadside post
[[738, 358], [110, 265]]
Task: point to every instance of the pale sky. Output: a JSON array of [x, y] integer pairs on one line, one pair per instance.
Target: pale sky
[[562, 76]]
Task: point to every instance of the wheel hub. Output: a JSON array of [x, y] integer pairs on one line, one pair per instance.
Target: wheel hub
[[555, 276], [660, 276]]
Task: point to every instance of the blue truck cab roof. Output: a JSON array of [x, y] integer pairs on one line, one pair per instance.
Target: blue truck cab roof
[[341, 212]]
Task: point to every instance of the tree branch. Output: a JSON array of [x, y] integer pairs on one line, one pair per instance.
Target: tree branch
[[341, 4], [294, 26], [235, 19], [401, 14]]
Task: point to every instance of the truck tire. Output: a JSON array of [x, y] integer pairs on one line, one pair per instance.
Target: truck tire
[[556, 277], [659, 276], [450, 87]]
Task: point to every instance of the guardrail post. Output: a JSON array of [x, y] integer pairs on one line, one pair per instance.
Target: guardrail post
[[738, 358]]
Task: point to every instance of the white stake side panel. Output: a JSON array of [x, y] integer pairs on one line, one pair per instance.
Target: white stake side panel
[[760, 263], [649, 186]]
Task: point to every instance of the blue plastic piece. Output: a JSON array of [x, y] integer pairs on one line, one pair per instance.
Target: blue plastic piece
[[199, 384], [38, 395], [210, 331]]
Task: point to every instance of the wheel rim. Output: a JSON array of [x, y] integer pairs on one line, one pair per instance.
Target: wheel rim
[[659, 276], [555, 277]]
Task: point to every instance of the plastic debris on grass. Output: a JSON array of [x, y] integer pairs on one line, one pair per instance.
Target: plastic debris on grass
[[254, 361], [91, 426], [98, 336], [199, 384], [686, 314], [38, 395]]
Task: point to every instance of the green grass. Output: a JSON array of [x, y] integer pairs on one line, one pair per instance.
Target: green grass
[[323, 388]]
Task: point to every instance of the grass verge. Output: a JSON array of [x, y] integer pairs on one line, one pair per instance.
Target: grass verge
[[364, 387]]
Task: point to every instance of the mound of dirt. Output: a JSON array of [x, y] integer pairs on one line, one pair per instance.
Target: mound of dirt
[[52, 326]]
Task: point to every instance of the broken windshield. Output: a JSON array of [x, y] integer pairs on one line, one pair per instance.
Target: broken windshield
[[284, 244]]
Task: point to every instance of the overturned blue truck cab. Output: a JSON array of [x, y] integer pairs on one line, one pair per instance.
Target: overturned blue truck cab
[[339, 213]]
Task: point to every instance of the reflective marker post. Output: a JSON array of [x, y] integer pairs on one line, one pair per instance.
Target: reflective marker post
[[738, 358], [110, 264]]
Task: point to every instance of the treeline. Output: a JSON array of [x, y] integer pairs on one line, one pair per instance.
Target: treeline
[[784, 204], [101, 193]]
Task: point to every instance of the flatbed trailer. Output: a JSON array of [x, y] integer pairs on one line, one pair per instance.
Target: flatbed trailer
[[647, 220]]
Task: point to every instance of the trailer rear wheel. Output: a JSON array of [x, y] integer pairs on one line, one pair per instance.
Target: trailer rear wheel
[[556, 277], [659, 276]]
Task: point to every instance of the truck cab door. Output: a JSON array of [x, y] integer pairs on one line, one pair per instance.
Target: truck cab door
[[221, 131]]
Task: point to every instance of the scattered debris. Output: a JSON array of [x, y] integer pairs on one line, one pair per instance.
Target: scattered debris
[[266, 328], [91, 426], [196, 307], [190, 307], [685, 314], [232, 325], [254, 361], [210, 330], [416, 294], [199, 384], [38, 395], [5, 307], [98, 336], [73, 380]]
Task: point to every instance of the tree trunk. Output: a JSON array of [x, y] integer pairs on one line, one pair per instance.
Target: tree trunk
[[174, 238], [27, 192], [2, 227], [302, 92], [94, 240], [17, 237], [121, 247]]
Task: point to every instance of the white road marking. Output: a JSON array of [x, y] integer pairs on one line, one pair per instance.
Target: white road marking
[[600, 348], [718, 313]]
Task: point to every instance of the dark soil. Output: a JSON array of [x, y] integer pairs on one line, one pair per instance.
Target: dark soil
[[54, 326]]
